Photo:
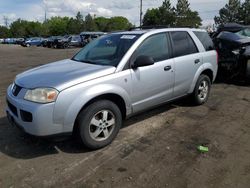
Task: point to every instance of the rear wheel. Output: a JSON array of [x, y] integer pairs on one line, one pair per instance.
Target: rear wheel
[[98, 124], [202, 90]]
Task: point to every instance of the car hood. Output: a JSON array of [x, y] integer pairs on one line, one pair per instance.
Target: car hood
[[62, 74]]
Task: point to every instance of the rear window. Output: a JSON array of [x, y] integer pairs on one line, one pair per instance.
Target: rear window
[[205, 40], [183, 44]]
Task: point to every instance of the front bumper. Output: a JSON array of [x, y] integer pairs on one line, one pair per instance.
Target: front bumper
[[35, 119]]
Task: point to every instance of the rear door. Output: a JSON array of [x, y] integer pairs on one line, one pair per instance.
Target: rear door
[[187, 61], [152, 85]]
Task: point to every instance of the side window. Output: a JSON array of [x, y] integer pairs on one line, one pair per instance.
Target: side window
[[205, 40], [156, 46], [183, 44]]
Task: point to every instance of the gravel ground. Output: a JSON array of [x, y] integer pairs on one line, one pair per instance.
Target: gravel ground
[[154, 149]]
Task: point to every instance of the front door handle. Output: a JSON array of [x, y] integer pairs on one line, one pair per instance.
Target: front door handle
[[167, 68], [197, 61]]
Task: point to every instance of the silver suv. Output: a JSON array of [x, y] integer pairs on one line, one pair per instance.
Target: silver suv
[[112, 78]]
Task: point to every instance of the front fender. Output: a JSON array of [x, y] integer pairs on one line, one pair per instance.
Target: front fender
[[72, 100]]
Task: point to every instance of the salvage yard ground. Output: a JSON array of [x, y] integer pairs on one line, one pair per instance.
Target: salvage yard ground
[[154, 149]]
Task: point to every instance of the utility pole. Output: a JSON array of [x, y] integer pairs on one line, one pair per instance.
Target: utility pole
[[45, 16], [141, 13], [6, 21]]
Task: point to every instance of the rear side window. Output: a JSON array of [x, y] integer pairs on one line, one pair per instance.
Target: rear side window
[[155, 46], [205, 40], [183, 44]]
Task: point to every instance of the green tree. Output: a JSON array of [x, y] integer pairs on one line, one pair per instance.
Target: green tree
[[4, 32], [164, 15], [118, 23], [90, 24], [18, 28], [167, 13], [185, 16], [245, 12], [230, 13], [58, 25], [152, 17], [102, 23], [33, 29]]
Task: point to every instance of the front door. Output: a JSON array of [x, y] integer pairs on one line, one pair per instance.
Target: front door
[[152, 85]]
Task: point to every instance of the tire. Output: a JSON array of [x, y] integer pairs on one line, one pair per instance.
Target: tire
[[202, 90], [65, 45], [28, 45], [98, 124]]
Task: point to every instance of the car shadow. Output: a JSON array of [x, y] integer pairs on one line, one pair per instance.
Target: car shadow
[[17, 144], [237, 81]]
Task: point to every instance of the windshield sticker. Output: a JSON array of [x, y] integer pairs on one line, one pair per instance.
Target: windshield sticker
[[128, 37]]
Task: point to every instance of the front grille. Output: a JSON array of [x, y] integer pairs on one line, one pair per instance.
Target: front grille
[[16, 89], [12, 108], [26, 116]]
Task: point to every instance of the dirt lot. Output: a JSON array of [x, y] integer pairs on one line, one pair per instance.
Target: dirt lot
[[154, 149]]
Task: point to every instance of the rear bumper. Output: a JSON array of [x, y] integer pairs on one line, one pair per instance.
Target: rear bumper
[[40, 116]]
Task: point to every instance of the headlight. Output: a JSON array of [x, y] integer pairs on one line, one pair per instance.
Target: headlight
[[41, 95]]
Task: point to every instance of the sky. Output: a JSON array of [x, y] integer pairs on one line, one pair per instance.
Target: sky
[[35, 9]]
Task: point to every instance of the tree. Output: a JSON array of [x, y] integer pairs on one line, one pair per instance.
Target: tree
[[230, 13], [18, 28], [185, 16], [76, 25], [245, 12], [4, 32], [102, 23], [118, 23], [58, 25], [182, 15], [166, 13], [152, 17], [90, 24]]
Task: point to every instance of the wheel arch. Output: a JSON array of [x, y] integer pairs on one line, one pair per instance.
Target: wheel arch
[[206, 71], [115, 98]]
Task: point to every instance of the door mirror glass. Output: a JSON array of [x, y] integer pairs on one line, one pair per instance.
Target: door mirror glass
[[143, 61]]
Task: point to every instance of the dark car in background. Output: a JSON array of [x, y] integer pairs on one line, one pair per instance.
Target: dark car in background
[[20, 41], [50, 43], [232, 42], [89, 36], [69, 41]]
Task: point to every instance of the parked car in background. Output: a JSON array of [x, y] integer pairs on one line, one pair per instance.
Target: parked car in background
[[89, 36], [232, 42], [51, 41], [112, 78], [34, 41], [9, 41], [20, 41], [69, 41], [1, 41]]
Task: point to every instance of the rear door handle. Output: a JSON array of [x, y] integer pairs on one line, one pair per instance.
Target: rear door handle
[[167, 68], [197, 61]]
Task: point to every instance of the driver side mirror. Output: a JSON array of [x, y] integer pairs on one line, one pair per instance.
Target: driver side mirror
[[143, 61]]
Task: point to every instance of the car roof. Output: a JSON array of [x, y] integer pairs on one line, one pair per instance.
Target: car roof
[[143, 31]]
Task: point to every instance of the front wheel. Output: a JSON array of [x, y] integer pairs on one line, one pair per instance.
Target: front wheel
[[98, 124], [202, 90]]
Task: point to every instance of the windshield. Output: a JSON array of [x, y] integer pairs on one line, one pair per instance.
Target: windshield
[[106, 50], [244, 32]]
